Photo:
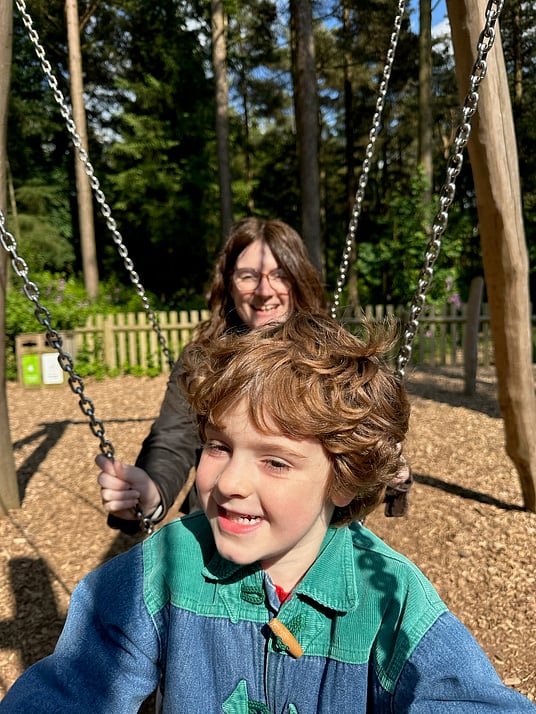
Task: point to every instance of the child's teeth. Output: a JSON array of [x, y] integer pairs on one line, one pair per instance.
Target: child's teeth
[[246, 519]]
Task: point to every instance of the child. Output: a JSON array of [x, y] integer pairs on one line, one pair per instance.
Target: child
[[274, 599]]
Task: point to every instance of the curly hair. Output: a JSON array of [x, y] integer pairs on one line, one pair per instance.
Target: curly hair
[[311, 378], [289, 251]]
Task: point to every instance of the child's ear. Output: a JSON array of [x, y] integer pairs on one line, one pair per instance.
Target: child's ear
[[341, 499]]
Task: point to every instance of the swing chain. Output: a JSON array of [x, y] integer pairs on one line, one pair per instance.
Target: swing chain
[[53, 336], [454, 166], [146, 522], [94, 182], [367, 162], [64, 359], [30, 289]]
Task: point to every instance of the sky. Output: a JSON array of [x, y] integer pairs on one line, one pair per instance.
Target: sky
[[440, 23]]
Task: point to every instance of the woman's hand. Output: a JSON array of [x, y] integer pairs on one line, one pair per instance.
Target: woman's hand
[[123, 487]]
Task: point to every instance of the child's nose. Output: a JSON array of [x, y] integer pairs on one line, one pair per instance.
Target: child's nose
[[235, 480]]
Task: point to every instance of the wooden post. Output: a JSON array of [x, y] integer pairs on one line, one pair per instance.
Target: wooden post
[[9, 491], [493, 152]]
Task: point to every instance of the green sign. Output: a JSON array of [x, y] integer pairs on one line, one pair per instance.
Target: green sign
[[31, 369]]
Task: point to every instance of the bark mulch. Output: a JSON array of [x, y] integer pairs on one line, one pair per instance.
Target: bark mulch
[[466, 528]]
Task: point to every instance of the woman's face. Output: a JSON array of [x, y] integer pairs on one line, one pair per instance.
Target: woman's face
[[259, 288]]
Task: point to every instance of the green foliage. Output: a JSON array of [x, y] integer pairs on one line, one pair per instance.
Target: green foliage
[[91, 363], [44, 227], [161, 171], [66, 300], [42, 247], [150, 106], [389, 268]]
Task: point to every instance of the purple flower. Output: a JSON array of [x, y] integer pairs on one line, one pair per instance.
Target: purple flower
[[455, 300]]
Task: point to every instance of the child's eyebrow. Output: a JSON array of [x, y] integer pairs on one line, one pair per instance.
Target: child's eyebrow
[[286, 449], [211, 432], [211, 426], [273, 445]]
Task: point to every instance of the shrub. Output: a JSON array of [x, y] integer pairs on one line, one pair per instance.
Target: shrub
[[67, 302]]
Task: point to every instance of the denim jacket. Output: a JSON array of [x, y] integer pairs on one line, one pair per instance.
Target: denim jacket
[[171, 612]]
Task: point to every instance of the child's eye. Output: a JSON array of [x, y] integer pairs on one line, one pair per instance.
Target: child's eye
[[215, 448], [277, 465]]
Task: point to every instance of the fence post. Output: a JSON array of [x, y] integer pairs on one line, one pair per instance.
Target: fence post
[[110, 358], [132, 340], [142, 339], [442, 336], [122, 358], [174, 334], [452, 312]]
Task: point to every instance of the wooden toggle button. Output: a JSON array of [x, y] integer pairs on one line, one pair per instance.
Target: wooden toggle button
[[286, 637]]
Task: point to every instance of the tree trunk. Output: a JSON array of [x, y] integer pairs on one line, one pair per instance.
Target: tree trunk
[[9, 492], [518, 59], [306, 111], [83, 188], [219, 61], [13, 203], [493, 154], [425, 97], [470, 341], [353, 290]]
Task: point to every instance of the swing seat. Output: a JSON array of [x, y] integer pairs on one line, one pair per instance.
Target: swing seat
[[396, 496]]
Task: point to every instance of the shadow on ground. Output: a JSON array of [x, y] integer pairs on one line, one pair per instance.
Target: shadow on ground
[[466, 493], [50, 435], [449, 389]]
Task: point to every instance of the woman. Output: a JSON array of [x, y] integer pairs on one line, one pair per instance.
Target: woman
[[262, 276]]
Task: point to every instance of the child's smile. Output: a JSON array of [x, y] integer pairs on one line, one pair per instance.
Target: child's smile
[[265, 496], [237, 522]]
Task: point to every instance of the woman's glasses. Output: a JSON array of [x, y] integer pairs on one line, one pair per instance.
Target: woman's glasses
[[247, 280]]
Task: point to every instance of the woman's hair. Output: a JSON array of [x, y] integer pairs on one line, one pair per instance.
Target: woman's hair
[[289, 251], [311, 378]]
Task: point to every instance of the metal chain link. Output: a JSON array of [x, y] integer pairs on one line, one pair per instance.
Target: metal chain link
[[53, 337], [20, 267], [94, 182], [454, 166], [365, 169]]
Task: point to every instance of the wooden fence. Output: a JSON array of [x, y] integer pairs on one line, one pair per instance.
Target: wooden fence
[[440, 335], [128, 343], [123, 341]]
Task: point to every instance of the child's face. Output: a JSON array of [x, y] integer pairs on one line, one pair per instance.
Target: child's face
[[265, 496]]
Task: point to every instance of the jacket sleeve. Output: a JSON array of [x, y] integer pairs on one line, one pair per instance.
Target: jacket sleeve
[[449, 673], [108, 656], [169, 450]]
